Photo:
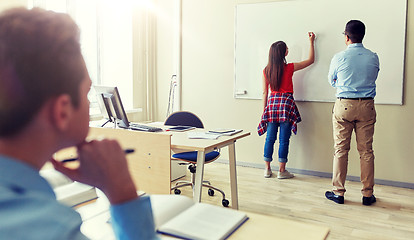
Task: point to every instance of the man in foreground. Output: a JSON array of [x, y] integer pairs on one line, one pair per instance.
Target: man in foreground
[[44, 108]]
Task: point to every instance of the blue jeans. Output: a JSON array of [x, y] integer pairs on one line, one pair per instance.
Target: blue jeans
[[284, 137]]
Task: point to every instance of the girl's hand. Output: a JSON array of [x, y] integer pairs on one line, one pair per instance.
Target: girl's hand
[[311, 36]]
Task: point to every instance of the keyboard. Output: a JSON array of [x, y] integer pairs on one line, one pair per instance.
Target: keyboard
[[145, 128]]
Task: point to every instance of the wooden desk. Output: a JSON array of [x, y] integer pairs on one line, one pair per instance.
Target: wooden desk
[[268, 227], [149, 165], [96, 214], [180, 142]]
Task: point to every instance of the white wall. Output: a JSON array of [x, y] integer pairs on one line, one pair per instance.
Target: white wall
[[12, 3], [208, 82]]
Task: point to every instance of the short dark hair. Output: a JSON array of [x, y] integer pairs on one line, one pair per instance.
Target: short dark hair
[[355, 30], [40, 58]]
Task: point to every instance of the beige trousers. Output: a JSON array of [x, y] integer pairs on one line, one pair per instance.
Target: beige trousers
[[349, 115]]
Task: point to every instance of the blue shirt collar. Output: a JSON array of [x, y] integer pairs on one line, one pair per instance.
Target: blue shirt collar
[[355, 45], [22, 177]]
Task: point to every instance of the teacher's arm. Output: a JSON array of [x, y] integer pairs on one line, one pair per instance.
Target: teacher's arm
[[311, 59], [332, 75]]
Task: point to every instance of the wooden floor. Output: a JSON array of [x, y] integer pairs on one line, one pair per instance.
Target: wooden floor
[[302, 199]]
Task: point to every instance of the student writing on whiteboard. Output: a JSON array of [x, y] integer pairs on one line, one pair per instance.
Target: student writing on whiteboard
[[280, 110], [353, 73]]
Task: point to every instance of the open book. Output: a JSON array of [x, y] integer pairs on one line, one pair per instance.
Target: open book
[[179, 216], [67, 191]]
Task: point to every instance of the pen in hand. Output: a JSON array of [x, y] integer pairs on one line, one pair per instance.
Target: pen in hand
[[126, 151]]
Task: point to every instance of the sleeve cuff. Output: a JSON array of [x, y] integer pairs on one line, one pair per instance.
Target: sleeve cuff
[[133, 219]]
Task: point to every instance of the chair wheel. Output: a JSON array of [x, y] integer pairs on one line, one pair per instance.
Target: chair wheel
[[192, 168], [225, 202], [177, 191], [210, 192]]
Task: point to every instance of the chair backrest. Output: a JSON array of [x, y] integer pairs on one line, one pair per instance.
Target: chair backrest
[[184, 118]]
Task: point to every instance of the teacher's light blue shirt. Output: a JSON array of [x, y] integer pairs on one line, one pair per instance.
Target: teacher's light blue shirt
[[353, 72], [29, 210]]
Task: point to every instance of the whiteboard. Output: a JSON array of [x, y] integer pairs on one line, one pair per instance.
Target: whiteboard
[[259, 25]]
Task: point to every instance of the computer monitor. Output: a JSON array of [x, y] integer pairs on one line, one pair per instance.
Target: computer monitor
[[111, 106]]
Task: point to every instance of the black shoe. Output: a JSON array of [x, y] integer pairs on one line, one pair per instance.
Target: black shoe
[[368, 200], [336, 198]]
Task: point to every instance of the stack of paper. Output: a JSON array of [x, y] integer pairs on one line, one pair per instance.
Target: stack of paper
[[225, 131], [202, 135], [67, 191], [213, 134]]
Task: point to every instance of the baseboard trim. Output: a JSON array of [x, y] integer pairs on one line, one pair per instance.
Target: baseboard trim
[[322, 174]]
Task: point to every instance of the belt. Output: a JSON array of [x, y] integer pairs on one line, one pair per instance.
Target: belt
[[363, 98]]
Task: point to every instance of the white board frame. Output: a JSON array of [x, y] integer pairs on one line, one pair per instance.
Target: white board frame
[[258, 25]]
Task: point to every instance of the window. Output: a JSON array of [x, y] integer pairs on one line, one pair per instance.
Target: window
[[106, 41]]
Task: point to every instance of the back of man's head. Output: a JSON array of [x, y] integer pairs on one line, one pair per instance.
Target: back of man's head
[[355, 30], [40, 58]]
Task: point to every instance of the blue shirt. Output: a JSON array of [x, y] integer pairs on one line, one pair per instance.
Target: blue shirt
[[29, 210], [353, 72]]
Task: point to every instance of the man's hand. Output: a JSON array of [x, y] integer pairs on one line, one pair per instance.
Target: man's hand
[[102, 163]]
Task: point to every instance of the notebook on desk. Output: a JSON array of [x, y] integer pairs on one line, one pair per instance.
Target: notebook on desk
[[179, 216], [202, 135], [222, 130], [225, 131], [180, 128]]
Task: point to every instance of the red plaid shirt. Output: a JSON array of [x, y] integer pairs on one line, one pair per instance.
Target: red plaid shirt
[[281, 107]]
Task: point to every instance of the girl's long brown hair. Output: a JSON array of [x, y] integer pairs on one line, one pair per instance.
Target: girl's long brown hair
[[276, 64]]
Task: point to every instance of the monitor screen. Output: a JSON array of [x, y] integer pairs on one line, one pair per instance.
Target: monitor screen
[[111, 106]]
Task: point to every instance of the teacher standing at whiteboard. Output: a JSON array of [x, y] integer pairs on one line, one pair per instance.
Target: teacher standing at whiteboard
[[280, 110], [353, 73]]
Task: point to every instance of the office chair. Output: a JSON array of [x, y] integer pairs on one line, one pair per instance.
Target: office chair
[[184, 118]]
